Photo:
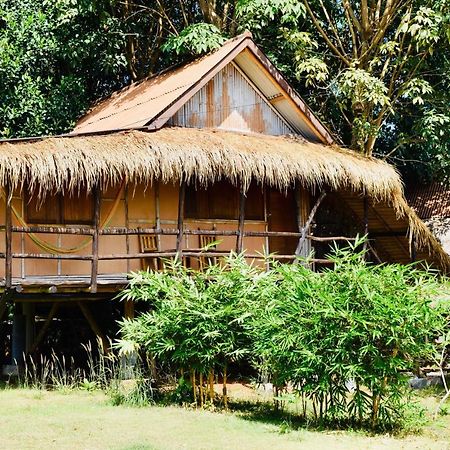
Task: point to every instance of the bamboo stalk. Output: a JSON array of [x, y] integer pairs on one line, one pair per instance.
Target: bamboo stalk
[[201, 391], [194, 386], [224, 387], [211, 385]]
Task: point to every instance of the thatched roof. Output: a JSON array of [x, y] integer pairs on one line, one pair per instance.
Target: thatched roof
[[203, 156], [171, 154]]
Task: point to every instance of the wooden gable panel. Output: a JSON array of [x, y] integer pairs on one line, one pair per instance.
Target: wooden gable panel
[[230, 102]]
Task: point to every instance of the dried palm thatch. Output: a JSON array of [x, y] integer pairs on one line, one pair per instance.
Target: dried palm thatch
[[171, 154], [203, 156]]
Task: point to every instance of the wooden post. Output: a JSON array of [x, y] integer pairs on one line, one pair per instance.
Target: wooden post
[[180, 223], [94, 264], [413, 248], [302, 206], [157, 214], [366, 221], [44, 327], [240, 236], [30, 330], [305, 229], [103, 341], [127, 226], [8, 239], [3, 305], [266, 227]]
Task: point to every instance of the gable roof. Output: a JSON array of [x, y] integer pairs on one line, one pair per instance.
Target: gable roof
[[152, 102]]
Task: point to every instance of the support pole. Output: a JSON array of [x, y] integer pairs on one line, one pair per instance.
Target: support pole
[[127, 226], [44, 328], [30, 327], [8, 239], [94, 264], [240, 236], [103, 341], [180, 223], [308, 223], [413, 250], [302, 207], [366, 221]]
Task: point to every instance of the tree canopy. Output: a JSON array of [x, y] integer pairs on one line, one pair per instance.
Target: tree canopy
[[375, 71]]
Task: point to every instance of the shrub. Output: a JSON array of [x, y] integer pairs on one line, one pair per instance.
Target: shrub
[[196, 321], [344, 337], [341, 339]]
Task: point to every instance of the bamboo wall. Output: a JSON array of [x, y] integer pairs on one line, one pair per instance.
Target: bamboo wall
[[138, 206]]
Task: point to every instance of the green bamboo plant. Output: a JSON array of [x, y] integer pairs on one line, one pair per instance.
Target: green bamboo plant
[[196, 321], [340, 340]]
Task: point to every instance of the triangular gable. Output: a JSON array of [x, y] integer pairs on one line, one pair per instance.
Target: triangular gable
[[230, 101], [152, 102]]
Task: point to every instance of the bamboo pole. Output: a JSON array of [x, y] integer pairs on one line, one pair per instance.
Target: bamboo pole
[[224, 387], [241, 224], [95, 239], [180, 223], [366, 220], [8, 239], [308, 224], [45, 327], [211, 385], [200, 383], [127, 225], [94, 326]]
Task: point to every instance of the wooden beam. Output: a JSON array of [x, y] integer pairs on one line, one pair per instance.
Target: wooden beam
[[308, 224], [35, 229], [45, 327], [95, 236], [241, 223], [51, 256], [8, 238], [180, 222], [103, 341]]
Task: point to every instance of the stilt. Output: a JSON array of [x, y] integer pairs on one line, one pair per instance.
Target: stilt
[[18, 336], [30, 327], [94, 327]]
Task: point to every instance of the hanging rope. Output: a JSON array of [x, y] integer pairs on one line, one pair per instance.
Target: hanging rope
[[56, 250]]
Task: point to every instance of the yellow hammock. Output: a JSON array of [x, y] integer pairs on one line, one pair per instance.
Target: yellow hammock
[[49, 248]]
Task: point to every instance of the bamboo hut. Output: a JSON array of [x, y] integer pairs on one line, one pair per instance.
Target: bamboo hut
[[216, 155]]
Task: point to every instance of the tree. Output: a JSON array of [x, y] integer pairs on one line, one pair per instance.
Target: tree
[[372, 57], [55, 58]]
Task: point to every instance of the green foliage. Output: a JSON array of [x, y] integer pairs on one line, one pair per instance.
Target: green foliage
[[356, 322], [55, 57], [339, 340], [196, 39]]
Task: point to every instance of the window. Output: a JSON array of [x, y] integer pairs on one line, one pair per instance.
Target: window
[[60, 209], [221, 201]]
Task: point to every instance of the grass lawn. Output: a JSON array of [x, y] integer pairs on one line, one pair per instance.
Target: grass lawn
[[82, 420]]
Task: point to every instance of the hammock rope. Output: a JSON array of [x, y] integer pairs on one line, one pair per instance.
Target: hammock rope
[[56, 250]]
